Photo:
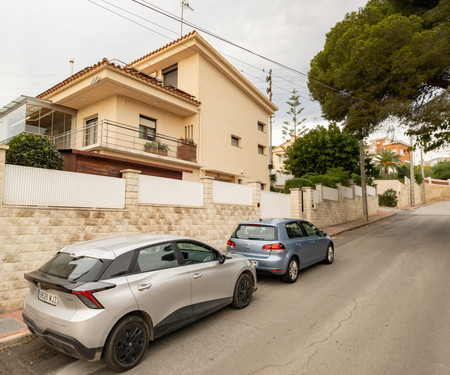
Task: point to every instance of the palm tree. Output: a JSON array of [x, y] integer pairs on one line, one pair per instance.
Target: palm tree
[[387, 160]]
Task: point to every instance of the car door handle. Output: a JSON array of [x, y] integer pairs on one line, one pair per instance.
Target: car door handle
[[197, 275], [143, 287]]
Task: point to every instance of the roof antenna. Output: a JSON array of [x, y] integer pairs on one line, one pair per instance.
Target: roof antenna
[[184, 5], [71, 61]]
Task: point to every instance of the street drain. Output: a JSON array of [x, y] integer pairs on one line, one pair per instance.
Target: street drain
[[38, 356]]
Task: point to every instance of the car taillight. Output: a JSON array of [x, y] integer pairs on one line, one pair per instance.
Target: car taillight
[[274, 247], [231, 243], [87, 297]]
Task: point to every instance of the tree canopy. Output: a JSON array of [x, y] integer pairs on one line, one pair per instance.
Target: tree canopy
[[321, 149], [391, 58], [33, 150]]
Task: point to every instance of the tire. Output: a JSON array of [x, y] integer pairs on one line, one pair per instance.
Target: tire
[[291, 274], [243, 291], [330, 254], [127, 343]]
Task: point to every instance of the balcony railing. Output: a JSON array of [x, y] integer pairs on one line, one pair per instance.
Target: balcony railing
[[121, 137]]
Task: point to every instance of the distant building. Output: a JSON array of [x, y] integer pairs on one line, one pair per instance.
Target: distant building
[[278, 158], [399, 147]]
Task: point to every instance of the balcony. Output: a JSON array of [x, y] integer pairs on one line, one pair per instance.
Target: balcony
[[119, 137]]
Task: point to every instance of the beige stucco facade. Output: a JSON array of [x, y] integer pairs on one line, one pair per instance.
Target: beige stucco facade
[[212, 105]]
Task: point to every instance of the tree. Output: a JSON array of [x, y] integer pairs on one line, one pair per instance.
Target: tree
[[387, 160], [440, 171], [391, 58], [321, 149], [33, 150], [293, 129]]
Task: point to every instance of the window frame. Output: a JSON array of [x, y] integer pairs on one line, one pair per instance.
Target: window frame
[[170, 75], [261, 126], [261, 149], [237, 139], [145, 131]]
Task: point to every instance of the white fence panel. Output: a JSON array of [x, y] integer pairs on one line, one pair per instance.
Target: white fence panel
[[371, 191], [316, 196], [225, 192], [347, 192], [275, 205], [329, 193], [44, 187], [159, 190], [358, 191]]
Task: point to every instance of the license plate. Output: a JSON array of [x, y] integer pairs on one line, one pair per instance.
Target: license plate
[[47, 297], [255, 262]]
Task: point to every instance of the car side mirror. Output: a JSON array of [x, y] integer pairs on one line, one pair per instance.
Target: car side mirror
[[323, 233], [222, 258]]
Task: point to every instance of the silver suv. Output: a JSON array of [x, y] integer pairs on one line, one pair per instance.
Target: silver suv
[[109, 297]]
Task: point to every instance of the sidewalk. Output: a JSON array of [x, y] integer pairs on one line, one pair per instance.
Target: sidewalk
[[13, 331]]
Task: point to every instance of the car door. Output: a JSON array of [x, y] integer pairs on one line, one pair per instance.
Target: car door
[[303, 246], [162, 287], [211, 280], [317, 241]]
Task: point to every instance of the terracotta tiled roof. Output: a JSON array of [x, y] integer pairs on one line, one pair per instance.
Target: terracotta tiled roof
[[164, 47], [126, 69]]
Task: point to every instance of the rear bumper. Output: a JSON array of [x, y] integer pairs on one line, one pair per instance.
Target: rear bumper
[[63, 343]]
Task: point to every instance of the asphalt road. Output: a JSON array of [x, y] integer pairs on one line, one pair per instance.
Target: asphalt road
[[383, 307]]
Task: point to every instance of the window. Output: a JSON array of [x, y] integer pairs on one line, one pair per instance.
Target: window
[[90, 131], [256, 232], [261, 149], [293, 230], [402, 152], [170, 75], [261, 126], [310, 229], [156, 257], [147, 128], [119, 266], [196, 253], [235, 141]]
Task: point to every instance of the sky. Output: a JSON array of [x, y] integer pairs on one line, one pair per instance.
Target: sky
[[38, 38]]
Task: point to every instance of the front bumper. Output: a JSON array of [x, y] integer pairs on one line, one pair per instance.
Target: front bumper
[[63, 343]]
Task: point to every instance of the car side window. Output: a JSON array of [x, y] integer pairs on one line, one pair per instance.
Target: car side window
[[119, 266], [293, 230], [310, 229], [156, 257], [196, 253]]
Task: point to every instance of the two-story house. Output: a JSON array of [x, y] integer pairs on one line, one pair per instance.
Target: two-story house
[[400, 148], [182, 111]]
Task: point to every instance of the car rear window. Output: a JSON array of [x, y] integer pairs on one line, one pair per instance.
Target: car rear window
[[256, 232], [64, 266]]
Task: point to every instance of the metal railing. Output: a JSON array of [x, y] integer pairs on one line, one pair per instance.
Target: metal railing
[[114, 135]]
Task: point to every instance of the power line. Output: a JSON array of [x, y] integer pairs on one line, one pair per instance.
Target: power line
[[176, 18]]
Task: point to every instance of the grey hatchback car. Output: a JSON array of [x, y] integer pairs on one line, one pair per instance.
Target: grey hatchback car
[[109, 297], [281, 246]]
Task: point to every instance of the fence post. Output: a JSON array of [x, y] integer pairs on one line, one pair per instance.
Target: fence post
[[207, 190], [308, 202], [296, 203], [3, 149], [131, 177]]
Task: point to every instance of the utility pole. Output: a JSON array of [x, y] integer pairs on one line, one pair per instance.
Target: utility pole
[[184, 5], [269, 91], [423, 176], [362, 166], [411, 175]]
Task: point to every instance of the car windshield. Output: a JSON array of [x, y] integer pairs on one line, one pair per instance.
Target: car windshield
[[70, 268], [255, 232]]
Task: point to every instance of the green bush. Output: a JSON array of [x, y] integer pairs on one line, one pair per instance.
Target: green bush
[[33, 150], [324, 180], [388, 198], [296, 183], [339, 175]]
